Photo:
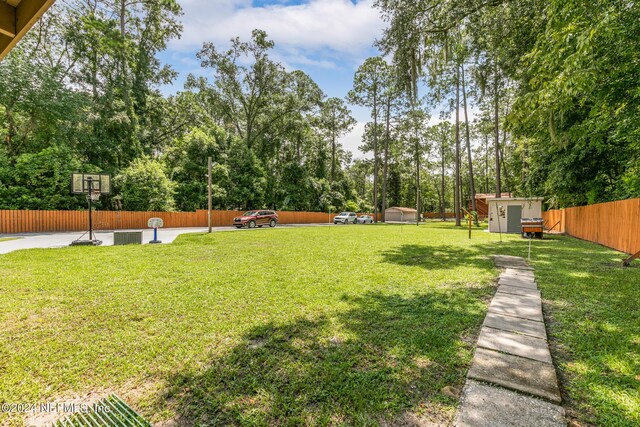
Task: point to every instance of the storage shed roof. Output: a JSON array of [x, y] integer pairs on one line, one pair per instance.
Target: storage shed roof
[[404, 210]]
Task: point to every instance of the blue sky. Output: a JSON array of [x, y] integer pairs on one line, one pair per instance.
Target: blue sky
[[328, 39]]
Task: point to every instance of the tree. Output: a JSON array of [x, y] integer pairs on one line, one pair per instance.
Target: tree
[[414, 134], [248, 185], [368, 84], [334, 121], [186, 161], [458, 186], [467, 125], [393, 100], [144, 186], [442, 134]]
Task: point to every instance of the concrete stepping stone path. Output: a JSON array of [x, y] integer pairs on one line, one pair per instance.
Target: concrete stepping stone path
[[512, 380], [486, 405], [527, 307], [515, 343], [517, 290], [516, 373], [517, 282], [515, 324]]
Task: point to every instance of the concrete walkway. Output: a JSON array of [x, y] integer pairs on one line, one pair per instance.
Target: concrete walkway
[[512, 380], [62, 240]]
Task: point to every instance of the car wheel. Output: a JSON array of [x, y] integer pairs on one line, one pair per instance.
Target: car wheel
[[252, 224], [272, 223]]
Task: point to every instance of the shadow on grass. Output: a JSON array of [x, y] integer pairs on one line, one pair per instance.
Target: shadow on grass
[[438, 257], [385, 357]]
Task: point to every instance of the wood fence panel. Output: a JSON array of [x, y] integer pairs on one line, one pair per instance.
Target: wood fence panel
[[438, 215], [613, 224], [553, 220], [23, 221]]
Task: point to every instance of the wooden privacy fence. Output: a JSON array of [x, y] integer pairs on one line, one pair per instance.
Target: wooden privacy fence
[[613, 224], [21, 221], [437, 215]]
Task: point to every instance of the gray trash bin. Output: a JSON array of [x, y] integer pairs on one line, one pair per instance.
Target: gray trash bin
[[127, 237]]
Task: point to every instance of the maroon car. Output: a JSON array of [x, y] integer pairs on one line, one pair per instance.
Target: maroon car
[[253, 219]]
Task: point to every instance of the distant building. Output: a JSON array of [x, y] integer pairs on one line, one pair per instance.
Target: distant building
[[482, 207], [396, 214]]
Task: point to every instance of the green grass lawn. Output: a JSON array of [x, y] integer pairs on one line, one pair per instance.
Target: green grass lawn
[[353, 325], [6, 239], [322, 325]]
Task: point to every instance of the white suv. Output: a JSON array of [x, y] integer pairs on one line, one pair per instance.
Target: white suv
[[346, 218]]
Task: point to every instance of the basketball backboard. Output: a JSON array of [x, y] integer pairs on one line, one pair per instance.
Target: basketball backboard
[[80, 183]]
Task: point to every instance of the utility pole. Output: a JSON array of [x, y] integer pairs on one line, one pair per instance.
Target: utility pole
[[209, 193]]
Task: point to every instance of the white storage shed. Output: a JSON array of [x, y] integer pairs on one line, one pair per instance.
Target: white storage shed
[[505, 213], [396, 214]]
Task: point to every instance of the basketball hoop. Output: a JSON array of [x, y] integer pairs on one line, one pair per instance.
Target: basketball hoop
[[92, 186], [93, 195]]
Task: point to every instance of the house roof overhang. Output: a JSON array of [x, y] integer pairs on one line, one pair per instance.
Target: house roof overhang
[[16, 18]]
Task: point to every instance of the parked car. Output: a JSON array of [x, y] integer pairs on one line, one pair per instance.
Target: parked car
[[365, 219], [346, 218], [253, 219]]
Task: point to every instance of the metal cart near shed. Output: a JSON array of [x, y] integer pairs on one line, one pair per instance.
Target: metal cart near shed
[[532, 227]]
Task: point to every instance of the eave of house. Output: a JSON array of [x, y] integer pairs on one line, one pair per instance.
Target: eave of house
[[16, 18]]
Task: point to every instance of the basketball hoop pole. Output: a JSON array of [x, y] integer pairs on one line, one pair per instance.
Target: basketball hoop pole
[[209, 207], [90, 185]]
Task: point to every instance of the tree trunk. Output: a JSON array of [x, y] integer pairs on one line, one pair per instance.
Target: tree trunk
[[505, 171], [497, 131], [417, 178], [472, 185], [386, 156], [375, 157], [333, 156], [486, 164], [457, 201], [443, 206]]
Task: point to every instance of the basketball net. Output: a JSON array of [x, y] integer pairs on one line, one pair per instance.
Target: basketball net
[[93, 195]]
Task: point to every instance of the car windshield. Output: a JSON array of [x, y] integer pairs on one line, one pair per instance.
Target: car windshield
[[344, 214], [250, 213]]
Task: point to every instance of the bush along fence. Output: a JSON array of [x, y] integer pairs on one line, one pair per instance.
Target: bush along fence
[[613, 224], [24, 221]]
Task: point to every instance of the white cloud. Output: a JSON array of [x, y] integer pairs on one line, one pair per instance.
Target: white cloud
[[353, 140], [328, 35], [319, 25]]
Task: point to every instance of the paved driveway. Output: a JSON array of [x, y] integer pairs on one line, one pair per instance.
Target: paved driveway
[[61, 240]]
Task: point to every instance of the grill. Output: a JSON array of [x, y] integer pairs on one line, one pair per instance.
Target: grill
[[532, 227]]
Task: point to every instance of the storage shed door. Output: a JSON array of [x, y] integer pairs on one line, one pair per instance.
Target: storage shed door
[[514, 215], [393, 216]]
